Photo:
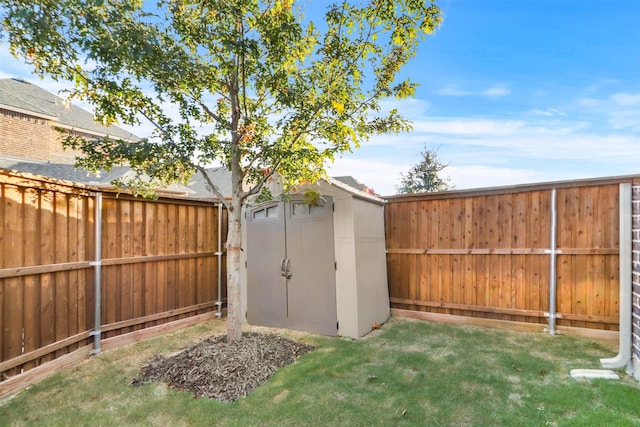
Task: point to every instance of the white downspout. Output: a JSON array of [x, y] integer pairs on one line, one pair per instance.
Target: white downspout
[[97, 265], [623, 358]]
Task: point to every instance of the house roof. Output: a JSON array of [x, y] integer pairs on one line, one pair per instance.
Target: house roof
[[68, 172], [62, 171], [197, 188], [21, 96], [220, 176]]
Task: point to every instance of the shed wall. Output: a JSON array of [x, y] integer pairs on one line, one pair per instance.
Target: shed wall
[[346, 274], [371, 266], [362, 296]]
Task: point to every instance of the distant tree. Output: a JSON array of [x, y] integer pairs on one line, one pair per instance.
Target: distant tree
[[254, 84], [425, 176]]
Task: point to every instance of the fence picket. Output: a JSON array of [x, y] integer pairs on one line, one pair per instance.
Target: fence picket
[[46, 278], [488, 249]]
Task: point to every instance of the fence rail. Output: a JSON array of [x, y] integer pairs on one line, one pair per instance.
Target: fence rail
[[488, 254], [159, 263]]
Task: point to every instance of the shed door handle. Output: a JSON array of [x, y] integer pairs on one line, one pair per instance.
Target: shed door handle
[[284, 267]]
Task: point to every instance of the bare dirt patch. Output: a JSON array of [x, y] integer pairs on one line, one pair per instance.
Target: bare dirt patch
[[221, 370]]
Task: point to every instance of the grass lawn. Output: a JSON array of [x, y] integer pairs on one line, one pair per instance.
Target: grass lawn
[[408, 373]]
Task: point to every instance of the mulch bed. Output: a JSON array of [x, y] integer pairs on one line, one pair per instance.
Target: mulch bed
[[220, 370]]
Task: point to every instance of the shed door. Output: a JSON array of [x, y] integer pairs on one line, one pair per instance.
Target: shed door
[[291, 267], [266, 249]]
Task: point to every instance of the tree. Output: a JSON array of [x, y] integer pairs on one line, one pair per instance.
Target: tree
[[425, 175], [256, 85]]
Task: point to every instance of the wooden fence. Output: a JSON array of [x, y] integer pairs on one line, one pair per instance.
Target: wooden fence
[[489, 254], [159, 263]]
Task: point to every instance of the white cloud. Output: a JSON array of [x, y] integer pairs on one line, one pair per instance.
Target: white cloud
[[383, 177], [493, 91], [410, 107], [561, 144], [626, 99], [601, 84], [463, 126], [588, 102], [629, 120], [452, 91], [380, 175], [478, 176], [549, 112], [496, 91], [542, 137]]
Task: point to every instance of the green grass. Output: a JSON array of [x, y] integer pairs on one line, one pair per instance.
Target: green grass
[[408, 373]]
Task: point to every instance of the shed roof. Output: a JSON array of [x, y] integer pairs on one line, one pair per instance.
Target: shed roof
[[352, 182], [366, 194], [222, 178]]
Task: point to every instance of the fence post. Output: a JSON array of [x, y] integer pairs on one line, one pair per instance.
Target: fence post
[[553, 252], [97, 265], [219, 256]]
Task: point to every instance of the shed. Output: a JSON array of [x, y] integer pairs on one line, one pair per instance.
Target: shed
[[319, 268]]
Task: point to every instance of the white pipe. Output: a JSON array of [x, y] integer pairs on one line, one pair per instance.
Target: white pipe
[[219, 255], [623, 357], [97, 264], [552, 264]]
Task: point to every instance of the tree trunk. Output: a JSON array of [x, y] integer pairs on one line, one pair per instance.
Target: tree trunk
[[234, 237], [234, 240]]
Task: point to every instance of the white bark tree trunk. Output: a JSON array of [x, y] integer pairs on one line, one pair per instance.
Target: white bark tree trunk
[[234, 240]]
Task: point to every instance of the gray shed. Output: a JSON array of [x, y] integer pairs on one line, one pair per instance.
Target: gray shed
[[320, 269]]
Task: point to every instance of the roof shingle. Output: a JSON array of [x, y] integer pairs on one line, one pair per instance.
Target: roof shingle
[[23, 95]]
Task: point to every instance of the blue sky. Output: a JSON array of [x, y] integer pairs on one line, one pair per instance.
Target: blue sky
[[511, 91], [520, 91]]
